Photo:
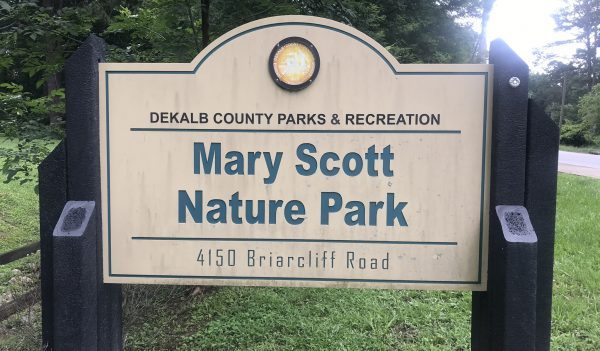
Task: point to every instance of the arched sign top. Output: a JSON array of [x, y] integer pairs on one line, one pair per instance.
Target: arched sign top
[[295, 21], [360, 172]]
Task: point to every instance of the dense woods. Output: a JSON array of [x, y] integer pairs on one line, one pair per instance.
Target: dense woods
[[37, 36], [580, 121]]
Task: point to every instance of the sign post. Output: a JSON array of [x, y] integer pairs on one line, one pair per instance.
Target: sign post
[[71, 173], [296, 151], [524, 173]]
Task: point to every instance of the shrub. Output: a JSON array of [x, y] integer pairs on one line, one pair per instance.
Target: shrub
[[574, 134], [589, 110]]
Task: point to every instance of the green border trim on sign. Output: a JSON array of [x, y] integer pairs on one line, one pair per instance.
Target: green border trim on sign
[[297, 131], [342, 241], [389, 64]]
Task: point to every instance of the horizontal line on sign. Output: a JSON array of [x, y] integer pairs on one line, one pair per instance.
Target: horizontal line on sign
[[356, 280], [299, 131], [168, 238]]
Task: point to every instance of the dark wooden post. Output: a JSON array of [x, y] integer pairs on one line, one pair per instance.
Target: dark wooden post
[[519, 283], [515, 312], [53, 196], [72, 172], [540, 200], [509, 140], [83, 165], [75, 285]]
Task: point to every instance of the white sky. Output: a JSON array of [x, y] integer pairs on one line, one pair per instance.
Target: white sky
[[526, 25]]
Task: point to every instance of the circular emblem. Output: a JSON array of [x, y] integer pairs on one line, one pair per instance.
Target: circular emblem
[[294, 63]]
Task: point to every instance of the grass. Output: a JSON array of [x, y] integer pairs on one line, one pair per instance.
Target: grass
[[336, 319], [576, 312], [330, 319], [19, 225], [19, 218], [238, 318], [297, 319], [593, 149], [19, 222]]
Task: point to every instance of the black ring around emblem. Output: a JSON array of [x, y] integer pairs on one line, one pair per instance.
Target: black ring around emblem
[[313, 51]]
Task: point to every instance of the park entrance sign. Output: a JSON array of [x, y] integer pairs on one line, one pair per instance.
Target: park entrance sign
[[296, 151]]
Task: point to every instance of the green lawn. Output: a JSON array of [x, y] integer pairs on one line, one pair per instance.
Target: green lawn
[[576, 312], [19, 222], [184, 318], [593, 149], [320, 319], [19, 225]]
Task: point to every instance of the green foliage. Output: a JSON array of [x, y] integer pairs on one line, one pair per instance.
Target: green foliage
[[580, 19], [20, 163], [413, 31], [157, 31], [36, 41], [21, 114], [23, 119], [428, 31], [589, 110], [227, 15], [574, 134], [546, 89]]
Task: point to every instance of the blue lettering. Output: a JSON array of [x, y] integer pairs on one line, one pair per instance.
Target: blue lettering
[[260, 216], [304, 157], [358, 164], [236, 165], [326, 157], [272, 166], [358, 213], [213, 157], [395, 212], [217, 214], [327, 207], [294, 208], [195, 209]]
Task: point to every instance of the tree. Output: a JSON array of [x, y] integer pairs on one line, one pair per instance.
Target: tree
[[35, 42], [205, 10], [589, 110], [546, 89], [427, 31], [36, 37], [480, 51], [413, 31], [582, 18]]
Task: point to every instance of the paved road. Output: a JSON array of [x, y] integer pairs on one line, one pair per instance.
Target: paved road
[[581, 164]]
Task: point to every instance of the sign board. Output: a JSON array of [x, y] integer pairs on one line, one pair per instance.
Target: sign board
[[296, 151]]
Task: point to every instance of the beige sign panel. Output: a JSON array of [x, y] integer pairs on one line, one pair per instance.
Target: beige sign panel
[[324, 162]]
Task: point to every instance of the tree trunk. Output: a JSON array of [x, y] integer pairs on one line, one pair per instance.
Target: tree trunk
[[54, 81], [204, 10], [192, 24], [480, 50]]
